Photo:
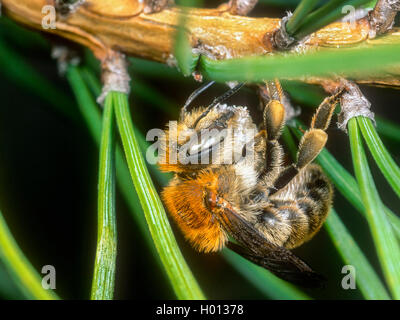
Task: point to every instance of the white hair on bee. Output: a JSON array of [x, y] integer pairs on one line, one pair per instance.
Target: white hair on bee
[[247, 174]]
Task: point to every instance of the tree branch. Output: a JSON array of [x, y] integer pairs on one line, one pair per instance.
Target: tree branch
[[107, 25]]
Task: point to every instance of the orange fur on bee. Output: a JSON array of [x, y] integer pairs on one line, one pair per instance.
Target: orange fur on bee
[[186, 201]]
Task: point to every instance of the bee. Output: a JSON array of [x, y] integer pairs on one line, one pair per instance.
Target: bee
[[256, 206]]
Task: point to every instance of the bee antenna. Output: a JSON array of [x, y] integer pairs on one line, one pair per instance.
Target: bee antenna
[[220, 99], [226, 95], [194, 95]]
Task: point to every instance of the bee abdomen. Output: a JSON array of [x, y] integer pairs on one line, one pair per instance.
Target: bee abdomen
[[294, 218], [283, 223], [313, 198]]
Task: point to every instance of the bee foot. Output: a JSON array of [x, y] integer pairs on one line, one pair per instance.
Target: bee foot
[[311, 144]]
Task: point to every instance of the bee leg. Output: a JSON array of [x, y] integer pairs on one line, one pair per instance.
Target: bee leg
[[274, 115], [274, 120], [323, 115], [312, 142], [314, 139]]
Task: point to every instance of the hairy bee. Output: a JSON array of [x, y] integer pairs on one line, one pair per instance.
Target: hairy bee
[[254, 205]]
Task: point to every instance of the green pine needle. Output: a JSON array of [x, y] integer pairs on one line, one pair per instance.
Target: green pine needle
[[91, 115], [302, 10], [386, 243], [24, 274], [328, 62], [183, 282], [367, 279], [106, 253], [183, 51], [325, 15], [382, 157]]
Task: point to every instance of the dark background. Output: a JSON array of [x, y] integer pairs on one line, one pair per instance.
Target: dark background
[[48, 190]]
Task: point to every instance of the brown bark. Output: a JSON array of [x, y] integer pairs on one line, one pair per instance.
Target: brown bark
[[105, 25]]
